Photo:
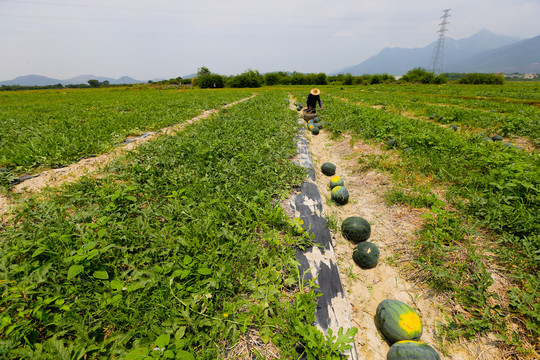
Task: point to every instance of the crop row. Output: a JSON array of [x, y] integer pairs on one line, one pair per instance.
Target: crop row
[[55, 128], [525, 92], [494, 188], [181, 252], [505, 118]]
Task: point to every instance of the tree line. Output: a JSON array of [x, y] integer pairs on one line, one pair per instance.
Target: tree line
[[206, 79]]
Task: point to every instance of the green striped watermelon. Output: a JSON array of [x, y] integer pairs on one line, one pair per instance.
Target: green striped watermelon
[[398, 321], [411, 350]]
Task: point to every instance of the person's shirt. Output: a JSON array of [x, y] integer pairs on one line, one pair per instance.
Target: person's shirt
[[312, 100]]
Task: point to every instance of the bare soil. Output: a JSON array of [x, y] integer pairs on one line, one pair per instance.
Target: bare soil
[[393, 227]]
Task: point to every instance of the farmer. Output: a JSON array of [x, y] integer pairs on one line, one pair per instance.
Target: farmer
[[312, 100]]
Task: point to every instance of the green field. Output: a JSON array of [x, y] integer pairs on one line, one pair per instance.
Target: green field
[[143, 258], [57, 127]]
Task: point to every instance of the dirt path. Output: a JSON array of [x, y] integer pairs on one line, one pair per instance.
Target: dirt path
[[392, 228], [73, 172]]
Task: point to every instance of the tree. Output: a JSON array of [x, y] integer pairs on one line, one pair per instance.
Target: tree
[[271, 79], [320, 79], [297, 79], [93, 83], [210, 81], [347, 79], [203, 71], [248, 79], [478, 78], [421, 75]]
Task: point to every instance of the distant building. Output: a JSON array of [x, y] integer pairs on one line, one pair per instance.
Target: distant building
[[530, 76]]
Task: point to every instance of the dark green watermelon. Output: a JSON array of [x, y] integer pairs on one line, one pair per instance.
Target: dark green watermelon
[[356, 229], [366, 255], [328, 169], [411, 350], [497, 138], [453, 127]]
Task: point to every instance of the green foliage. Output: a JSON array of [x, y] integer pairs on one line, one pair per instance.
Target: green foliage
[[54, 128], [308, 79], [97, 83], [422, 76], [318, 346], [271, 79], [298, 79], [248, 79], [415, 197], [203, 71], [478, 78], [180, 251], [366, 79], [210, 81], [46, 87]]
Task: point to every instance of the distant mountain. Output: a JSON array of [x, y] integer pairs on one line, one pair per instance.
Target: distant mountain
[[397, 61], [520, 57], [31, 80], [39, 80]]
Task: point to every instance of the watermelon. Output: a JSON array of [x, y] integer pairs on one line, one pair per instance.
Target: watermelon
[[411, 350], [299, 107], [316, 119], [328, 169], [398, 321], [366, 255], [453, 127], [391, 143], [336, 181], [315, 130], [356, 229], [497, 138], [340, 195]]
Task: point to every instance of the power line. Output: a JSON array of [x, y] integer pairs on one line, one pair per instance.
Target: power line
[[438, 52]]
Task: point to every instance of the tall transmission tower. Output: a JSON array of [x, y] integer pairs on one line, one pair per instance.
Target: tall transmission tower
[[438, 52]]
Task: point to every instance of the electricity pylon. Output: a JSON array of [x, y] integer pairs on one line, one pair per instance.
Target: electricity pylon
[[437, 57]]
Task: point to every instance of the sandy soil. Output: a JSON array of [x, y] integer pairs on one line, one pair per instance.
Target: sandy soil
[[392, 228]]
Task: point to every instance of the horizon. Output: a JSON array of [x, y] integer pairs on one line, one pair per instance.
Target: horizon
[[185, 76]]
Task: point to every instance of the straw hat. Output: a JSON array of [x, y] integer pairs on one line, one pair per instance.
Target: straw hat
[[315, 91]]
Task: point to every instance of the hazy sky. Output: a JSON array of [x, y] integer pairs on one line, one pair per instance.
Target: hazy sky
[[166, 38]]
